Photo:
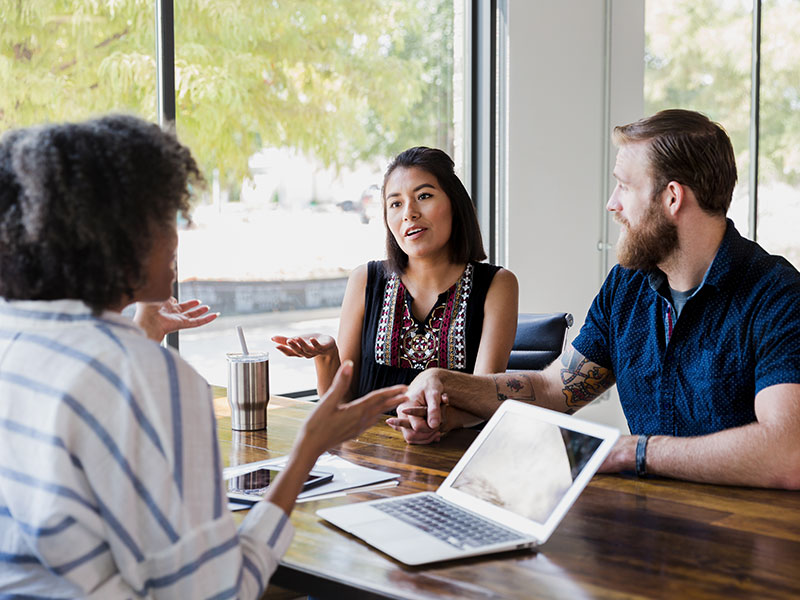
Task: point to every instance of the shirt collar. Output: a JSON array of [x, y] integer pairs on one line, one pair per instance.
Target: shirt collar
[[728, 255], [720, 268], [22, 312]]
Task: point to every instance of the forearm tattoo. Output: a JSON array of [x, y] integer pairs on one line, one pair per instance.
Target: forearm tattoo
[[514, 385], [583, 380]]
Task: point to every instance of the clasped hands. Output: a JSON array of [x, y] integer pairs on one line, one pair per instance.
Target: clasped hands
[[421, 418]]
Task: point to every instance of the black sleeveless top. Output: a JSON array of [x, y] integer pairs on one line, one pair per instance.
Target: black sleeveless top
[[395, 346]]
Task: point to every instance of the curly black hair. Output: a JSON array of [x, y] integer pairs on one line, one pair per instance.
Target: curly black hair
[[79, 203]]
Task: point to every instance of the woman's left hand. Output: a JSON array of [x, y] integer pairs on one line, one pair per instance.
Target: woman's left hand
[[160, 318]]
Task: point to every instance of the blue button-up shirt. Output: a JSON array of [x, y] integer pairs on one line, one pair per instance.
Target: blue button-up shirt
[[737, 334]]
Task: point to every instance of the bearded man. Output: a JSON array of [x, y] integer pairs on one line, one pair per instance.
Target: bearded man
[[698, 327]]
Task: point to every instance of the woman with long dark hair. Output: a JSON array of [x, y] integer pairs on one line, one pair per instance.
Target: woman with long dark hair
[[432, 303]]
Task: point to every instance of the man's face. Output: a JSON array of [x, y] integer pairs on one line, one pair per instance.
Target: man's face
[[647, 236]]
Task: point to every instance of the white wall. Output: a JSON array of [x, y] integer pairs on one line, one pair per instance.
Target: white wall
[[559, 159]]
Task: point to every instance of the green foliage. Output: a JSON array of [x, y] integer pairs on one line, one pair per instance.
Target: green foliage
[[699, 57], [66, 60], [780, 92], [341, 80]]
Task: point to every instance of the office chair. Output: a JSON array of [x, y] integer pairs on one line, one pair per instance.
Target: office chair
[[540, 339]]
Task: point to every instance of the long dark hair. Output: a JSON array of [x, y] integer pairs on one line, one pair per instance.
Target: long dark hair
[[79, 204], [466, 244]]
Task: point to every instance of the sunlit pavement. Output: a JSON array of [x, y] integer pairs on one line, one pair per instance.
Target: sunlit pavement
[[245, 242], [258, 243]]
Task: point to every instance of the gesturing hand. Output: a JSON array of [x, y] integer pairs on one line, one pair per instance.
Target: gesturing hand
[[160, 318], [334, 421], [307, 345]]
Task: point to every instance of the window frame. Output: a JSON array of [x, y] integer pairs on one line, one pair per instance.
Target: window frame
[[480, 105]]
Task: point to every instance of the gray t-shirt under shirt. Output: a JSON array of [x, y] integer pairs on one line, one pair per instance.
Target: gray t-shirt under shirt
[[679, 299]]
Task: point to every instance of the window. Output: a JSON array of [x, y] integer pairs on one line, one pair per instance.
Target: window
[[779, 131], [293, 111], [92, 57], [698, 55]]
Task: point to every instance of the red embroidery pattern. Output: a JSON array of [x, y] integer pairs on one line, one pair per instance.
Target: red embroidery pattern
[[439, 342]]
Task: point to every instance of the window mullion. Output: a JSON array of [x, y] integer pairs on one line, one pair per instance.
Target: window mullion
[[755, 108], [165, 69]]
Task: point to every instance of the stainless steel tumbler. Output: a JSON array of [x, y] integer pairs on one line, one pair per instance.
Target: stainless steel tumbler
[[248, 390]]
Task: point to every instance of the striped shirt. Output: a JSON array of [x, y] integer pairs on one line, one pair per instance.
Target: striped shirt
[[110, 471]]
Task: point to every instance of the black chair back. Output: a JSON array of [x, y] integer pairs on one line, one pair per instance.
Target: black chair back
[[540, 340]]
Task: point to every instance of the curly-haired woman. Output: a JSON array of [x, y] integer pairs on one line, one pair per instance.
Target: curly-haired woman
[[110, 475]]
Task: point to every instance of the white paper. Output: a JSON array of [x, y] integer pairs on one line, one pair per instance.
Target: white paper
[[358, 490], [346, 475]]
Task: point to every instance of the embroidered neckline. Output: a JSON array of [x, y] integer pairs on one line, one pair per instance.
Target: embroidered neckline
[[437, 341], [440, 300]]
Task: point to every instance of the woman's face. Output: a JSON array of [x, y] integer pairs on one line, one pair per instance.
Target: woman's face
[[418, 213], [159, 265]]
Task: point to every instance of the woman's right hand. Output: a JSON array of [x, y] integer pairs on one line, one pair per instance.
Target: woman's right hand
[[308, 345], [333, 421], [336, 420], [318, 346]]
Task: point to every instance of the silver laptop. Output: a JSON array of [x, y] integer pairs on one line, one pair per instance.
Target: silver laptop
[[510, 490]]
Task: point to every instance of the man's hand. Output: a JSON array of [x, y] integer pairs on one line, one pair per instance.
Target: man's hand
[[427, 390], [160, 318], [430, 413], [622, 456], [412, 422], [764, 453], [419, 419]]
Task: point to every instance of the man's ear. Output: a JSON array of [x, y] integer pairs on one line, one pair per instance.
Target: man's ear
[[673, 197]]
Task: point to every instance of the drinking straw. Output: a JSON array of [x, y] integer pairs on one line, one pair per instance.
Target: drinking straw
[[241, 340]]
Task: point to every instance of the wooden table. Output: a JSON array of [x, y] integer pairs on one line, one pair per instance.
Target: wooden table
[[623, 538]]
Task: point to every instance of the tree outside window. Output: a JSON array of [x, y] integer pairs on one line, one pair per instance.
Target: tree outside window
[[292, 109], [698, 56]]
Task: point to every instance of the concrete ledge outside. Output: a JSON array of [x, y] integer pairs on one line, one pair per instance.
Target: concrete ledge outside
[[247, 297]]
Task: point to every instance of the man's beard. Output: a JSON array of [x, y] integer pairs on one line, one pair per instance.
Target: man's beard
[[649, 243]]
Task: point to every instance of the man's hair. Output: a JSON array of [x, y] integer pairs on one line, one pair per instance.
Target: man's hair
[[79, 204], [687, 147], [466, 244]]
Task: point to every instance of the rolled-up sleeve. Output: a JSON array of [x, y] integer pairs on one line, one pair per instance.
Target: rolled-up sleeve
[[593, 339]]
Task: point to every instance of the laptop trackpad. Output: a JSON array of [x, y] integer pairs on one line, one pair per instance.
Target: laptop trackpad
[[403, 541], [369, 523], [386, 528]]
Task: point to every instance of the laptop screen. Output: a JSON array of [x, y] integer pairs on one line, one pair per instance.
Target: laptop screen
[[526, 466]]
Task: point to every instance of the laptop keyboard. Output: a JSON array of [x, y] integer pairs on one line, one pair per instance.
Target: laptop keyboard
[[447, 522]]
